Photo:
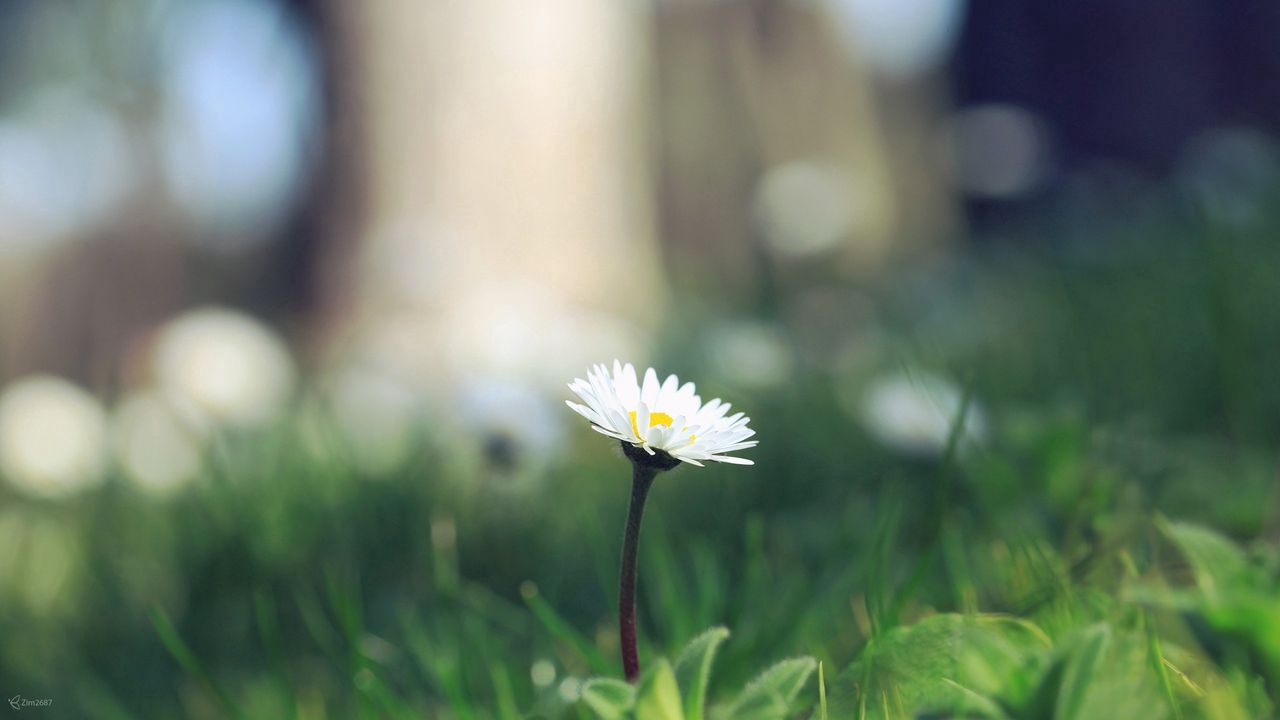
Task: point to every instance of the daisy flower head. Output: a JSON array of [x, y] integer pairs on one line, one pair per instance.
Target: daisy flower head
[[665, 422]]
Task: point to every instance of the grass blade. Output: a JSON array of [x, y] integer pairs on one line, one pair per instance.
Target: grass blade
[[182, 653]]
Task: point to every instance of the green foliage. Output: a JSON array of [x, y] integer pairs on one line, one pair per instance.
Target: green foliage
[[952, 662], [1081, 667], [982, 666], [657, 695], [693, 670], [680, 694], [1099, 671], [1220, 567], [1028, 576], [608, 697], [1238, 596], [822, 694], [772, 695]]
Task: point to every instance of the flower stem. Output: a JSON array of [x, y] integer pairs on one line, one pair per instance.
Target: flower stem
[[641, 480]]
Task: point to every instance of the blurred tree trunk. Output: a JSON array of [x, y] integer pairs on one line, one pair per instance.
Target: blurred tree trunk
[[746, 88], [506, 219]]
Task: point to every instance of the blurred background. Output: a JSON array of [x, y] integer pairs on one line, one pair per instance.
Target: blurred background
[[290, 290]]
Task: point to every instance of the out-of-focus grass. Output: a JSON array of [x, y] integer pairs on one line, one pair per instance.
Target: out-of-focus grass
[[1030, 575]]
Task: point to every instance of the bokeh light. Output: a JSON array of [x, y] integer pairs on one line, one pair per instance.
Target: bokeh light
[[751, 354], [901, 39], [52, 437], [155, 445], [236, 168], [543, 673], [378, 414], [225, 364], [806, 207], [915, 412], [1233, 172], [999, 151], [66, 163]]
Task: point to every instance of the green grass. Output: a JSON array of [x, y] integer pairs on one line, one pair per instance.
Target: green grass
[[1107, 552]]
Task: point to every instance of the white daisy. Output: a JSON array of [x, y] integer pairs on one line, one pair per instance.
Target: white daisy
[[667, 416]]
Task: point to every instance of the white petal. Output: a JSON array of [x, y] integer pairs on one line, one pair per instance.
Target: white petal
[[586, 412], [667, 393], [680, 444], [628, 390], [610, 433], [732, 460], [657, 436], [619, 424], [642, 420], [737, 446], [649, 392]]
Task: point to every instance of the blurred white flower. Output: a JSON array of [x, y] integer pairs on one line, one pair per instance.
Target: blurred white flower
[[570, 689], [998, 151], [751, 353], [157, 448], [52, 437], [377, 414], [225, 364], [914, 412], [1233, 172], [542, 673], [805, 207], [516, 423], [901, 38], [665, 416]]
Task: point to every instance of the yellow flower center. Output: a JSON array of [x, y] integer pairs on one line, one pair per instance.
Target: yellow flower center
[[655, 418]]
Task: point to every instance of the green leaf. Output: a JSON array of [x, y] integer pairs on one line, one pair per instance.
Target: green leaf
[[1216, 561], [822, 694], [610, 699], [658, 695], [560, 629], [956, 663], [980, 705], [693, 670], [770, 695], [1081, 668], [1101, 671], [181, 652], [1237, 596]]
